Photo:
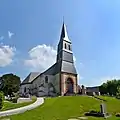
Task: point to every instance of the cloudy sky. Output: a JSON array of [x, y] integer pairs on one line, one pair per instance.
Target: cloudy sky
[[30, 31]]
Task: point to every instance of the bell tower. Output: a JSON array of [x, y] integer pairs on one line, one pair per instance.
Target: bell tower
[[64, 51], [68, 74]]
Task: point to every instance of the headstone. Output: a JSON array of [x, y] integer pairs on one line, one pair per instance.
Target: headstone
[[99, 93], [6, 97], [94, 93], [103, 109]]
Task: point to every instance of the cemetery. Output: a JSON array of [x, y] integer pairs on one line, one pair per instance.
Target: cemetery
[[72, 108]]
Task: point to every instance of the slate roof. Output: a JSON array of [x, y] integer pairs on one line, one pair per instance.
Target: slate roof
[[54, 69], [61, 66], [68, 67], [31, 77], [64, 34], [92, 89]]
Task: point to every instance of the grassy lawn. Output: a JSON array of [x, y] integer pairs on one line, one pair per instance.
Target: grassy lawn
[[9, 105], [63, 108], [113, 104]]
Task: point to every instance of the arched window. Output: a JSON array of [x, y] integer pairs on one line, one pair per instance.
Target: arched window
[[69, 47], [65, 46], [46, 79], [25, 89]]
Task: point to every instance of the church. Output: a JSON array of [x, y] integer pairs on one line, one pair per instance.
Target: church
[[58, 80]]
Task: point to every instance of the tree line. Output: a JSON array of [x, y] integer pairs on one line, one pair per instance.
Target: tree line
[[111, 87]]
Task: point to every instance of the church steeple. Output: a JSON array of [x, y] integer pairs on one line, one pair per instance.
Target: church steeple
[[65, 54], [64, 35], [64, 51]]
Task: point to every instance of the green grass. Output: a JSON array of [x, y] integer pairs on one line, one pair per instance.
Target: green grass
[[63, 108], [9, 105], [112, 104]]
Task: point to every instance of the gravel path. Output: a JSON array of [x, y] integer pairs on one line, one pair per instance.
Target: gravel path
[[38, 102]]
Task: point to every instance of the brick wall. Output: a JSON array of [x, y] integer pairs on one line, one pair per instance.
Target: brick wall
[[64, 78]]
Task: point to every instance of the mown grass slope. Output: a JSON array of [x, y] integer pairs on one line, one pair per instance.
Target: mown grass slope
[[112, 104], [63, 108], [60, 108]]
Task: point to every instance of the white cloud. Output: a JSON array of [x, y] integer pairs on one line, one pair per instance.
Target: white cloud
[[41, 57], [6, 55], [10, 34]]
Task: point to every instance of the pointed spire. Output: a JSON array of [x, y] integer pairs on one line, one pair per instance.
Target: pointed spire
[[64, 35]]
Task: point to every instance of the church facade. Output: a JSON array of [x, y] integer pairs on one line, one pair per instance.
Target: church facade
[[59, 79]]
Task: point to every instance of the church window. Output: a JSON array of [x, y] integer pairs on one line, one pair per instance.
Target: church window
[[25, 89], [65, 46], [69, 47], [46, 79]]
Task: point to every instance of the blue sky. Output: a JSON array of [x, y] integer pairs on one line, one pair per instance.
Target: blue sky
[[93, 27]]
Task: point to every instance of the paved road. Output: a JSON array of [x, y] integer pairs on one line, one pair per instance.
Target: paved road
[[38, 102]]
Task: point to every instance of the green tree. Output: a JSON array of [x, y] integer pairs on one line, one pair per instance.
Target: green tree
[[103, 88], [10, 83], [118, 92], [110, 87], [1, 99]]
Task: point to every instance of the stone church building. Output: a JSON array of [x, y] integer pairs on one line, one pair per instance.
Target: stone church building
[[59, 79]]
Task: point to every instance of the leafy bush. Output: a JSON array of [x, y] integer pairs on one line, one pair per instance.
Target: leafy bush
[[1, 99], [117, 115], [94, 113], [118, 92], [14, 100]]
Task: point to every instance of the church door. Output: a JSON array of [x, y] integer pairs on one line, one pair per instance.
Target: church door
[[69, 85]]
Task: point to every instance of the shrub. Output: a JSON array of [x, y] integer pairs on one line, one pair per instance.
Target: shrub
[[1, 99], [117, 115], [14, 100], [94, 113]]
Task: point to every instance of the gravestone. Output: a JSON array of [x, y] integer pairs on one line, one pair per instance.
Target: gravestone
[[98, 93], [94, 93], [103, 109]]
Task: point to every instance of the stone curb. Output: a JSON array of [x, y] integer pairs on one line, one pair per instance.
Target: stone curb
[[38, 102]]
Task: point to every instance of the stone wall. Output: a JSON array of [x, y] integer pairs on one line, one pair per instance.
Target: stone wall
[[21, 100], [22, 89]]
